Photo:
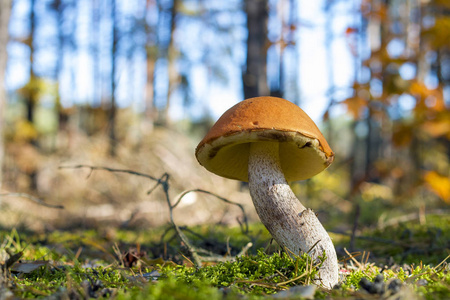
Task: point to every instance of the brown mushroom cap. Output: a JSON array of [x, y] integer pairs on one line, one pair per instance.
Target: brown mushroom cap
[[304, 152]]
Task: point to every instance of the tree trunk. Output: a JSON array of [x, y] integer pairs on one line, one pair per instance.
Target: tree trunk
[[5, 10], [172, 71], [149, 86], [96, 21], [58, 7], [31, 92], [329, 37], [151, 53], [255, 77], [112, 111], [166, 51]]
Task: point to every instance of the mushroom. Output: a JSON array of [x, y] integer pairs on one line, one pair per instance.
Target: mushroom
[[268, 141]]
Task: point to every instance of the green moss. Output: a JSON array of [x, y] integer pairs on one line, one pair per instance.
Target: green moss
[[260, 274], [254, 276], [172, 289], [410, 242], [437, 284], [84, 263]]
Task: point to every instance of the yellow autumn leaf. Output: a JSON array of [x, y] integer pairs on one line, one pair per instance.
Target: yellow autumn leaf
[[28, 266], [438, 184]]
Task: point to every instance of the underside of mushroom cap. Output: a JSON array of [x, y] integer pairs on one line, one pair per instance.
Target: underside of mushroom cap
[[304, 151]]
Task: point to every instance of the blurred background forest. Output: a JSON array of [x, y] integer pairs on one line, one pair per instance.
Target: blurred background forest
[[135, 84]]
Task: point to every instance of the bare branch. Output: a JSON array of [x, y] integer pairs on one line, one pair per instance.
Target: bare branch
[[111, 170], [32, 198], [218, 197]]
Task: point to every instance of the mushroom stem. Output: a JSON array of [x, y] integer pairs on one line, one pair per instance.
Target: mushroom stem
[[291, 224]]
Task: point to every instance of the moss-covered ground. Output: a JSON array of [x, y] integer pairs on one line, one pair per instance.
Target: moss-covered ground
[[407, 261]]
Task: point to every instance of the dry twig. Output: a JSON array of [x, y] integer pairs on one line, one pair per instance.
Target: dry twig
[[32, 198], [163, 181], [241, 207]]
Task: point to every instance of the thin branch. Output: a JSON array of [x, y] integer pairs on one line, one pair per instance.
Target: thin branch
[[245, 249], [111, 170], [353, 258], [218, 197], [409, 217], [163, 180], [32, 198], [192, 250], [369, 238]]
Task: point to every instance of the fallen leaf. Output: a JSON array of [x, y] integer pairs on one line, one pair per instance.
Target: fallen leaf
[[28, 266], [13, 258], [132, 257]]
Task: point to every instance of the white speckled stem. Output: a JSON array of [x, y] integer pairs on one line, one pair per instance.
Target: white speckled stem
[[291, 224]]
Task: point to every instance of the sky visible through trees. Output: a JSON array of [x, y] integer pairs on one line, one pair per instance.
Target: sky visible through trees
[[82, 32]]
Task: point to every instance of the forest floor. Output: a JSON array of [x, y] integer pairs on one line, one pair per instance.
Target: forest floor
[[406, 261], [116, 239]]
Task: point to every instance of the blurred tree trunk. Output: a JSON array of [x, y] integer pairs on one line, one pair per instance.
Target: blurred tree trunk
[[58, 7], [149, 86], [443, 75], [329, 37], [96, 53], [254, 77], [157, 51], [64, 138], [112, 109], [31, 93], [165, 52], [356, 175], [284, 83], [5, 10], [374, 139], [293, 83], [151, 52], [171, 57]]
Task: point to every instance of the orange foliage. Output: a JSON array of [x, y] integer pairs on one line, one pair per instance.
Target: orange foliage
[[379, 10], [351, 30], [356, 106], [434, 97], [438, 184], [437, 128], [439, 35], [402, 135]]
